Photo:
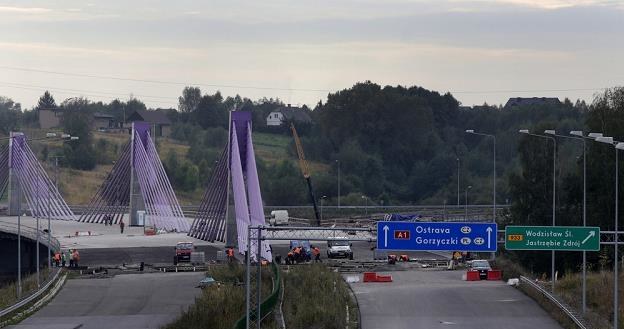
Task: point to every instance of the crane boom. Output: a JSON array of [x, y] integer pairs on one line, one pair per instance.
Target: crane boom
[[305, 170]]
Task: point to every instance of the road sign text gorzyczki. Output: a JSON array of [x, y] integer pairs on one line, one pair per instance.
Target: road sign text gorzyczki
[[447, 236]]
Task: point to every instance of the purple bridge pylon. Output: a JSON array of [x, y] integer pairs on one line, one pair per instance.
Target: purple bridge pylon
[[138, 181], [235, 177], [22, 175]]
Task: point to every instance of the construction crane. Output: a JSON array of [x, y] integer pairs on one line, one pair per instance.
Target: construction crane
[[305, 170]]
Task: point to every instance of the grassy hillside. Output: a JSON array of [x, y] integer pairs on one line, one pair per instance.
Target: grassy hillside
[[78, 187]]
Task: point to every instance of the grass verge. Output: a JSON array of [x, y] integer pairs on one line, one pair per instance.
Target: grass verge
[[8, 293], [221, 305], [316, 297]]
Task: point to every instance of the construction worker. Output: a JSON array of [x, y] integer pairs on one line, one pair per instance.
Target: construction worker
[[76, 256], [230, 254], [57, 259], [121, 225], [297, 252], [317, 254], [290, 258]]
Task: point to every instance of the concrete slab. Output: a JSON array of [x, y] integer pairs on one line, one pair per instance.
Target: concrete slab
[[106, 236]]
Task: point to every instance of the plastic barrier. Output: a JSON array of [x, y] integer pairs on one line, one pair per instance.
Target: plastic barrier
[[472, 276], [495, 275], [373, 277], [370, 277], [384, 278]]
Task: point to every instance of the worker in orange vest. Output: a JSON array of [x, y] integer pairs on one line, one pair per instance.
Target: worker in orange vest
[[317, 254], [290, 258], [57, 259], [297, 254], [230, 254], [76, 256]]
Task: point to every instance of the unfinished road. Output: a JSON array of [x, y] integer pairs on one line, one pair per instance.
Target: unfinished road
[[123, 302], [440, 299]]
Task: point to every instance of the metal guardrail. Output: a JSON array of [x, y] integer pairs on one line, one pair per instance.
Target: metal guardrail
[[31, 233], [566, 309], [268, 304], [32, 297]]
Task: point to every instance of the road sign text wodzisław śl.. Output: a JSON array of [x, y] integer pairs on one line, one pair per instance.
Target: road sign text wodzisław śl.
[[571, 238], [444, 236]]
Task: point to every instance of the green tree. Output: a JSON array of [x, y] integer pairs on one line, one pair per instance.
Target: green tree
[[76, 121], [46, 101], [9, 115], [188, 102], [211, 111]]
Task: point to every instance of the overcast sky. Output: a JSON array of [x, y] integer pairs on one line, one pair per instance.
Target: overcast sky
[[298, 50]]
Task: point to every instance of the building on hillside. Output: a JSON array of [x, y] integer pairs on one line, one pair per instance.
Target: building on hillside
[[103, 121], [531, 101], [161, 125], [49, 118], [287, 113]]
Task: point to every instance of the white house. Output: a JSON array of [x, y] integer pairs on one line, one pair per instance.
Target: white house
[[287, 113]]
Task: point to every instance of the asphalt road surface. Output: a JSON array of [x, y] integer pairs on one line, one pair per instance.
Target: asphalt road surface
[[124, 302], [440, 299], [135, 255]]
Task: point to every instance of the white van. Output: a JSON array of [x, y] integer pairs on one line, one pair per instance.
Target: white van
[[278, 217]]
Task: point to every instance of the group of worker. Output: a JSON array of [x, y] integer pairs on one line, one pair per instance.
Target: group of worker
[[299, 254], [60, 258], [108, 220]]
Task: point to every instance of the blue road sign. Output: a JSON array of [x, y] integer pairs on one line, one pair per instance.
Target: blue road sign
[[446, 236]]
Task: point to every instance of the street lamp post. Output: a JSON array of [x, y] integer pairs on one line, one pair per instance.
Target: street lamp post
[[526, 132], [466, 203], [66, 138], [580, 136], [365, 205], [36, 213], [322, 198], [19, 219], [471, 131], [19, 241], [338, 163], [458, 166], [618, 146]]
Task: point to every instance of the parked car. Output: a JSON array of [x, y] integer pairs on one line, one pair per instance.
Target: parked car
[[339, 247], [278, 217], [482, 266], [183, 252]]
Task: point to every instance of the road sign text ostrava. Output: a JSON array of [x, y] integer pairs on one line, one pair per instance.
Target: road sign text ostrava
[[572, 238], [446, 236]]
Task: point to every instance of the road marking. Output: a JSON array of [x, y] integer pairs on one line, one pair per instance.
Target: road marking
[[507, 300], [447, 323]]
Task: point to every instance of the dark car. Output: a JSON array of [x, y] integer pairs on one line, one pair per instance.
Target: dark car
[[482, 266]]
